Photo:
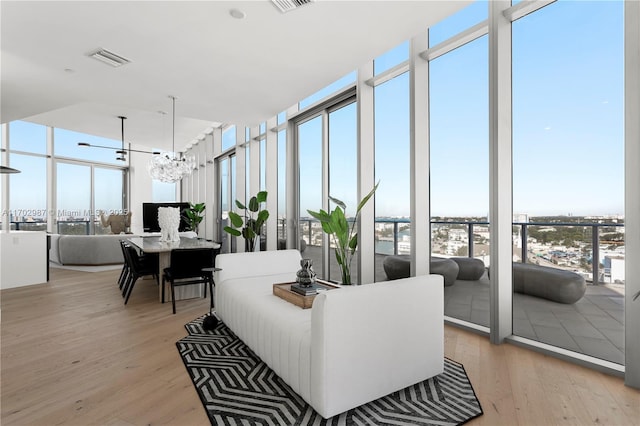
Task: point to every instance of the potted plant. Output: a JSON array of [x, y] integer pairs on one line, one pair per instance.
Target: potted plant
[[194, 215], [249, 226], [344, 236]]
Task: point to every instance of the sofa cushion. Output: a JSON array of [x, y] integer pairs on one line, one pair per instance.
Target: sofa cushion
[[277, 331], [90, 249]]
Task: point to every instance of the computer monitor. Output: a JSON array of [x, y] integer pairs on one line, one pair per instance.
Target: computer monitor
[[150, 216]]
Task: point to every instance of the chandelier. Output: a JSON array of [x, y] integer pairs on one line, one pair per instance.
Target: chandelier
[[166, 166]]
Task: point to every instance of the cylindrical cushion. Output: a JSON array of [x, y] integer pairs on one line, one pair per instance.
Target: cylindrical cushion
[[470, 268], [445, 267], [549, 283], [399, 266]]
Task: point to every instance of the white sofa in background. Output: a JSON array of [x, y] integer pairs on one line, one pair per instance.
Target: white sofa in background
[[356, 343]]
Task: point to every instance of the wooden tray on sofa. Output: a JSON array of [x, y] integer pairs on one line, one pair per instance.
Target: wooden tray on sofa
[[283, 291]]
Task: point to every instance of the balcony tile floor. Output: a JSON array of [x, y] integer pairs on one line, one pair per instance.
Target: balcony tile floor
[[593, 325]]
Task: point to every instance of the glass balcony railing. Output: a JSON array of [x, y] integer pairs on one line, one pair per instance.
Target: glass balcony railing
[[67, 227], [564, 245], [28, 226]]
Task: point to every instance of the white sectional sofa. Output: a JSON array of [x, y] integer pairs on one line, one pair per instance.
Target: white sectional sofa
[[93, 249], [356, 343]]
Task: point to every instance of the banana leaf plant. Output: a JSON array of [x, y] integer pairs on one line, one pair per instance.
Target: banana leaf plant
[[343, 234], [194, 215], [249, 225]]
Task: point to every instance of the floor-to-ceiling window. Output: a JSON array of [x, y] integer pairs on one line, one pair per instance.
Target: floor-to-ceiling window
[[28, 193], [328, 90], [86, 180], [343, 147], [310, 155], [392, 198], [108, 195], [229, 138], [28, 189], [163, 192], [326, 138], [248, 171], [65, 145], [84, 193], [73, 189], [568, 171], [459, 170], [282, 180], [263, 164], [226, 202]]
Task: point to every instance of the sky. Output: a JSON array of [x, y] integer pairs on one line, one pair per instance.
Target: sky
[[567, 125], [567, 118]]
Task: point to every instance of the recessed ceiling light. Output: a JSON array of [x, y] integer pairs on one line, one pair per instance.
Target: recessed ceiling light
[[237, 13], [69, 70]]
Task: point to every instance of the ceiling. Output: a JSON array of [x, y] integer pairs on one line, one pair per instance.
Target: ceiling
[[221, 69]]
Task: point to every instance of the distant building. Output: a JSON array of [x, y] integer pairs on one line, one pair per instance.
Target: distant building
[[520, 218], [614, 269]]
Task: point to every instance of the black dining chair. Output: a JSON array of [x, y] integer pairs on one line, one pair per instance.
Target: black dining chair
[[139, 266], [190, 266], [124, 274]]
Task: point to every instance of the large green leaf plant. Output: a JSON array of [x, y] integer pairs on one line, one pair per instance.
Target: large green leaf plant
[[249, 225], [194, 215], [343, 234]]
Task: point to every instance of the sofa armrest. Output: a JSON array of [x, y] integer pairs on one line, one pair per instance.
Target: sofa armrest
[[54, 253], [372, 340]]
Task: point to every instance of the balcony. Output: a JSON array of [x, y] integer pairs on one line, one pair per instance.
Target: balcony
[[592, 326], [67, 227]]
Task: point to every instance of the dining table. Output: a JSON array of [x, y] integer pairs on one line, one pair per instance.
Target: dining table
[[163, 249]]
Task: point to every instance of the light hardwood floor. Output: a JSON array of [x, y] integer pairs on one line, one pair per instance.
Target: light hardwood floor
[[72, 353]]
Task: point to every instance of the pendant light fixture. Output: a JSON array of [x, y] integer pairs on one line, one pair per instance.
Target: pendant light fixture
[[122, 151], [168, 166], [5, 169]]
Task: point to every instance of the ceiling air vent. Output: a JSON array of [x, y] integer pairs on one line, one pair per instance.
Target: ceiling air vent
[[287, 5], [109, 58]]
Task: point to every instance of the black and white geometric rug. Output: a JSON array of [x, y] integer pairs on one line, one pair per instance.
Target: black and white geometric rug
[[237, 388]]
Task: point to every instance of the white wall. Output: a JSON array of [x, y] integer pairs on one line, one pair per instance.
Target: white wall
[[23, 258]]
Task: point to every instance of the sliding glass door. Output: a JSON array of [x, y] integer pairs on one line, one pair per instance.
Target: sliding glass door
[[226, 190], [568, 177], [108, 195], [327, 167], [310, 175]]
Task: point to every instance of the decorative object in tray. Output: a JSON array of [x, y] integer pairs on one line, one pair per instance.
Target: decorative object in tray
[[305, 279], [284, 291]]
